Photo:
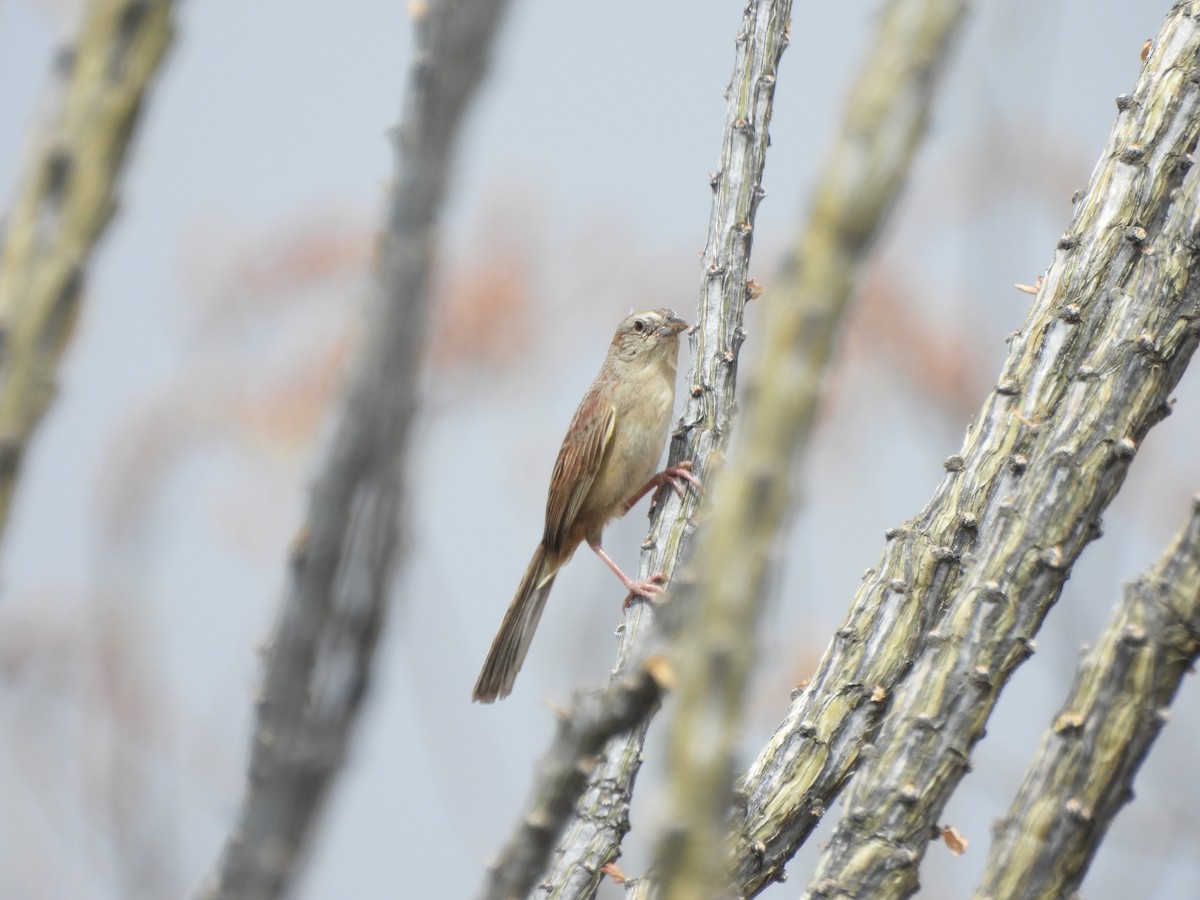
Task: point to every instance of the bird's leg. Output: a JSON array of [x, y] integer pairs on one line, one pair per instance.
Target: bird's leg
[[650, 588], [671, 475]]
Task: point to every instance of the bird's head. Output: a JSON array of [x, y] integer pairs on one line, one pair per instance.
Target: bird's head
[[645, 335]]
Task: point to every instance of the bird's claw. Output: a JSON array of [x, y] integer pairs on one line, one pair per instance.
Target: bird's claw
[[672, 475], [650, 589]]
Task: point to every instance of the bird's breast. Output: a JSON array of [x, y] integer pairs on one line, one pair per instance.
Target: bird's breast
[[643, 401]]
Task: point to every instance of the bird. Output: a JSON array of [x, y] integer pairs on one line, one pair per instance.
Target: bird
[[606, 464]]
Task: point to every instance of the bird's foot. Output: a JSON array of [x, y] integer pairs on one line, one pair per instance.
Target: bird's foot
[[650, 589], [672, 476]]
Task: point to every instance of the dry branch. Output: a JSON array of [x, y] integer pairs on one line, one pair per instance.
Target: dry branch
[[713, 652], [563, 773], [65, 200], [318, 665], [593, 838], [886, 118], [963, 588], [1083, 771]]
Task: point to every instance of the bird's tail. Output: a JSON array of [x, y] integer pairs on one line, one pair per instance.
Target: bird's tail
[[516, 631]]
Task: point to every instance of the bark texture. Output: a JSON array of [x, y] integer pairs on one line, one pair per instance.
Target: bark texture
[[319, 661], [64, 202], [1082, 774], [963, 588]]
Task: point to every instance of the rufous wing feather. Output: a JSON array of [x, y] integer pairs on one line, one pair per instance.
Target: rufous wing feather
[[578, 461]]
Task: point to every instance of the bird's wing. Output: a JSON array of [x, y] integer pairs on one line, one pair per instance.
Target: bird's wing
[[578, 462]]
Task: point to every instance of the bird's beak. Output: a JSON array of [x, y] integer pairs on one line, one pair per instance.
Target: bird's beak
[[673, 325]]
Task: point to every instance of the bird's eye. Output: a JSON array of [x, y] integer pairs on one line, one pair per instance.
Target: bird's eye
[[639, 326]]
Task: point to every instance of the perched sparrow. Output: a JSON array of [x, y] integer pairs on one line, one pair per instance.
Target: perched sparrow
[[605, 465]]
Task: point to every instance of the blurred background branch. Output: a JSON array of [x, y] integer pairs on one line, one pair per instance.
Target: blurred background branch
[[66, 199], [1083, 772], [319, 661]]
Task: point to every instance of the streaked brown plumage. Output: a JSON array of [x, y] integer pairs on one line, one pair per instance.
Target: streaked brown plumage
[[605, 465]]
